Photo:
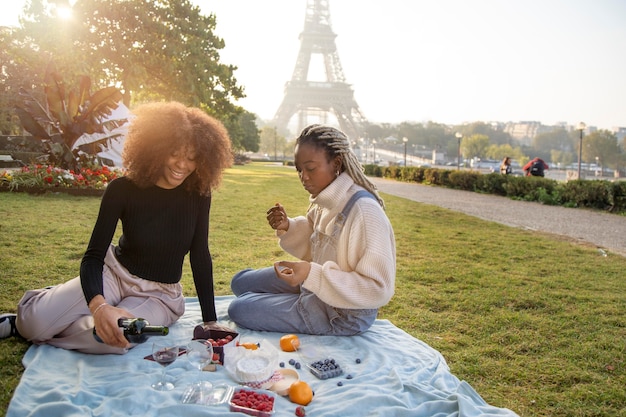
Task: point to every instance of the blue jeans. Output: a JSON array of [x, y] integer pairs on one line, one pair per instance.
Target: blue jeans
[[264, 302]]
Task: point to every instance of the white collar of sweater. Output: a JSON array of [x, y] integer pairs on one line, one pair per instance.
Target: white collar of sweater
[[335, 192]]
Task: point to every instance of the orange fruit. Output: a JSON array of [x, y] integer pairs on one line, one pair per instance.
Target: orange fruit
[[289, 342], [300, 393]]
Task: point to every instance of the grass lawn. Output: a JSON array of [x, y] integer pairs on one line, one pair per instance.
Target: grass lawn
[[534, 323]]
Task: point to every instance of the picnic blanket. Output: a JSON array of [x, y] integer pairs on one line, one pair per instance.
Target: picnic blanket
[[398, 375]]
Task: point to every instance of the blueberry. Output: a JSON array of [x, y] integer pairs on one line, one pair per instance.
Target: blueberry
[[282, 364], [292, 361], [349, 376], [339, 383], [358, 360], [297, 365]]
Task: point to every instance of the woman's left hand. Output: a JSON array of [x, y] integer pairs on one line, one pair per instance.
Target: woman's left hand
[[293, 273]]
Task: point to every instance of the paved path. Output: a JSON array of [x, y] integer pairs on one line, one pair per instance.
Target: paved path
[[604, 230]]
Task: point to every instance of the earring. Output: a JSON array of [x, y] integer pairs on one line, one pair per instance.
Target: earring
[[337, 173]]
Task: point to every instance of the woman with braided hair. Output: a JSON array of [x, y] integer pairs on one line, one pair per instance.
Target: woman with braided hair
[[345, 244]]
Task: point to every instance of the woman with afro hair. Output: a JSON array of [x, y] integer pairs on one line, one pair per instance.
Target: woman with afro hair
[[174, 156]]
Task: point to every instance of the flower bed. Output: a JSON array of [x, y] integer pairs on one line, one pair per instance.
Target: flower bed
[[38, 179]]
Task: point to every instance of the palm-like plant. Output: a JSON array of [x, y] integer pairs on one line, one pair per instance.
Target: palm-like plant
[[67, 115]]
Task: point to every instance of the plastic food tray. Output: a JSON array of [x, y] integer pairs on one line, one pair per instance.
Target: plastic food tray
[[218, 395], [315, 358], [223, 393], [251, 411]]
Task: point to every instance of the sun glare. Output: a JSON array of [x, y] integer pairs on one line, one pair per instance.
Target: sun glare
[[64, 12]]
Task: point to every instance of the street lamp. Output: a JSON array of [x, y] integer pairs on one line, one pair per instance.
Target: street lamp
[[581, 126], [374, 146], [275, 144], [405, 140], [366, 145], [459, 136]]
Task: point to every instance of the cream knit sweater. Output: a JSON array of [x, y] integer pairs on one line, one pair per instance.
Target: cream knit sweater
[[364, 275]]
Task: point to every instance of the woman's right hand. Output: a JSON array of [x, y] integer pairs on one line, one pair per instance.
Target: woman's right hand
[[105, 322], [277, 217]]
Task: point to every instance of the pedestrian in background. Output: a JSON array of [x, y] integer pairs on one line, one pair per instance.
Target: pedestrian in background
[[535, 168], [505, 166]]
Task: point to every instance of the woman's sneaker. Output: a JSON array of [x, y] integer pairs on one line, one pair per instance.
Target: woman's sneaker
[[7, 325]]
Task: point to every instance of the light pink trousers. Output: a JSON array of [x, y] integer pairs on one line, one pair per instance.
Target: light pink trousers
[[59, 316]]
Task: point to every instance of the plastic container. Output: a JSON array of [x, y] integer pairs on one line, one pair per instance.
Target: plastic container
[[315, 358], [227, 394], [218, 395], [240, 408]]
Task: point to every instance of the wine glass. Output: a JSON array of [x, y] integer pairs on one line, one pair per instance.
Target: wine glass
[[200, 354], [164, 354]]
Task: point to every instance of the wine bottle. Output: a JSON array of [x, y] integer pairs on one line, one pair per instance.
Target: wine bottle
[[137, 330]]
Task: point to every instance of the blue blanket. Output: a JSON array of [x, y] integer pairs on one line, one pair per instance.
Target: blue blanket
[[398, 376]]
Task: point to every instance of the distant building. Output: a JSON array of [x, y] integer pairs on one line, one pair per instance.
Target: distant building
[[620, 132], [524, 132]]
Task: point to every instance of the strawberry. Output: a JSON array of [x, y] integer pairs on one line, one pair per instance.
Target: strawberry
[[300, 411]]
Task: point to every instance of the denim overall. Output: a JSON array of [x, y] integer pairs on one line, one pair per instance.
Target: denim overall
[[324, 249], [265, 302]]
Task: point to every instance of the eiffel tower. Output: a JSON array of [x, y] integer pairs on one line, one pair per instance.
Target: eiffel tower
[[311, 98]]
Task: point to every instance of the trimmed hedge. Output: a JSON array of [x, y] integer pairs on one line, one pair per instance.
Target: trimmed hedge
[[596, 194]]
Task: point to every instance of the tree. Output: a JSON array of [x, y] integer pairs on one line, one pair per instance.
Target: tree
[[499, 152], [480, 128], [152, 50], [13, 76], [561, 157], [243, 131], [558, 139], [474, 146], [602, 145], [271, 142]]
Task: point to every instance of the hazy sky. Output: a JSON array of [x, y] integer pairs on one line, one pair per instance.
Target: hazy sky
[[448, 61]]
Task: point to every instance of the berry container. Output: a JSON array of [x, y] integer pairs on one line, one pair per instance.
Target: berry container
[[317, 360], [200, 332], [267, 397]]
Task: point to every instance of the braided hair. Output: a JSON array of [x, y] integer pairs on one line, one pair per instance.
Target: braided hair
[[335, 143]]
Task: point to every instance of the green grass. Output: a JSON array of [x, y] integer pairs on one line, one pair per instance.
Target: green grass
[[534, 323]]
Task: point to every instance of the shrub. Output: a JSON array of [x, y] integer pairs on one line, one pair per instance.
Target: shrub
[[619, 196], [373, 170], [414, 174], [604, 195], [393, 172], [463, 180], [592, 194], [491, 183], [436, 176]]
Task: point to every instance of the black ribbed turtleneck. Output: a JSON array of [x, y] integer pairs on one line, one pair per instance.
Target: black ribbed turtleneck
[[159, 227]]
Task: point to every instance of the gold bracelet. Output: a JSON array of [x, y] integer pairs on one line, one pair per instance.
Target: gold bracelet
[[98, 308]]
